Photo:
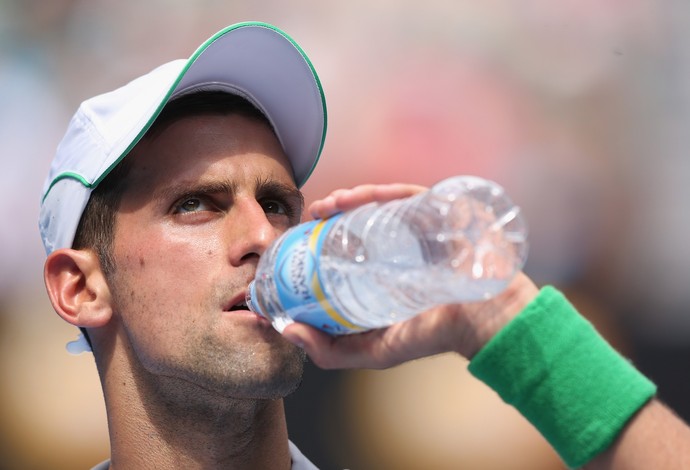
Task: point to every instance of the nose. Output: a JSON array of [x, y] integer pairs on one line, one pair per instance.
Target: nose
[[252, 232]]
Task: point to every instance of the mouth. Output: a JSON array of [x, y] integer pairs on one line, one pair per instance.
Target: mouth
[[237, 304]]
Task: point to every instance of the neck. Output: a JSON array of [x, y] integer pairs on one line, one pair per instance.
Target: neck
[[171, 423]]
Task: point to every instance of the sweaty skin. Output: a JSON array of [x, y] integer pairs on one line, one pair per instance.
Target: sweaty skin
[[191, 378]]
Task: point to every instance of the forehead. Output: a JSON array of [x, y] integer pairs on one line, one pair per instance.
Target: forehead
[[192, 146], [206, 102]]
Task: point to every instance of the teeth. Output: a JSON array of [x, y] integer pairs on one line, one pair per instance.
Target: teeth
[[240, 306]]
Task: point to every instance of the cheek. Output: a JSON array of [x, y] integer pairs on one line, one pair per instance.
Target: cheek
[[166, 259], [156, 310], [166, 274], [156, 281], [159, 287]]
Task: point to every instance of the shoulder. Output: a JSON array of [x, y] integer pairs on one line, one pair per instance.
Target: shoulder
[[105, 465], [299, 461]]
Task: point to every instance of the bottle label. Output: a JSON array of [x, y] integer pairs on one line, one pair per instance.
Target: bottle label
[[299, 285]]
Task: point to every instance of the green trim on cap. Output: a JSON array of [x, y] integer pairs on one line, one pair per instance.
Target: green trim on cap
[[70, 175], [187, 66], [314, 74], [181, 75]]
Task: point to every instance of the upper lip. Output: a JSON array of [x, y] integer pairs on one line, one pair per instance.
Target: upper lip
[[238, 302]]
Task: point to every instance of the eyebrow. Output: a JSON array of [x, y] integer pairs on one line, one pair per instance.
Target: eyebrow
[[263, 187], [268, 187], [274, 189], [179, 190]]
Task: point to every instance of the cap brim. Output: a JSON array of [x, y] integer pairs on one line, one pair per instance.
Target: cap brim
[[266, 66], [255, 60]]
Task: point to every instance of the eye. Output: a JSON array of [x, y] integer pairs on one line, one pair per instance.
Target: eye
[[191, 204], [282, 203], [276, 207]]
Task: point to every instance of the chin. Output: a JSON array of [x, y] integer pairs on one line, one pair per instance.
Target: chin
[[280, 380], [271, 376]]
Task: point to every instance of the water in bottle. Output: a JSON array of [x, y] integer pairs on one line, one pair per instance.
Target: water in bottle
[[463, 240]]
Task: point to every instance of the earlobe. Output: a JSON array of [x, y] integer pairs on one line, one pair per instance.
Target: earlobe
[[77, 287]]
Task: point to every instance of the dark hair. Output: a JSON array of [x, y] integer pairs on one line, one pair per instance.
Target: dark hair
[[97, 224]]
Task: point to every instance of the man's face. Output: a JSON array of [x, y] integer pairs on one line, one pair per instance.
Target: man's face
[[206, 196]]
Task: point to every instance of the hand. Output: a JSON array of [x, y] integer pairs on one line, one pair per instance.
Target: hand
[[461, 328], [342, 200]]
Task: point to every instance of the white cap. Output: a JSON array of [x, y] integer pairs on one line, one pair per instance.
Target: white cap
[[255, 60]]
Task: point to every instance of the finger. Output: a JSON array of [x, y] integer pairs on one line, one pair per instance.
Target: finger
[[339, 352], [424, 335], [346, 199], [326, 207]]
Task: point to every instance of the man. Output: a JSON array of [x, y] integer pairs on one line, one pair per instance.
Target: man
[[161, 199], [156, 266]]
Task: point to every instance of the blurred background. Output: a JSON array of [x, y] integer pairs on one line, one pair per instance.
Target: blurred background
[[579, 108]]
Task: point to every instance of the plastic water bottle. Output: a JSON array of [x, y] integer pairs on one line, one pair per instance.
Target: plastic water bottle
[[463, 240]]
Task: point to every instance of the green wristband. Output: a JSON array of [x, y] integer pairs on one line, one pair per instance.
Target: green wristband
[[552, 365]]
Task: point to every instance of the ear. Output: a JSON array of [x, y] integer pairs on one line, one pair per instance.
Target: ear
[[77, 287]]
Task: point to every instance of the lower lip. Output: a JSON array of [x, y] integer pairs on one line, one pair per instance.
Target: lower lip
[[248, 314]]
